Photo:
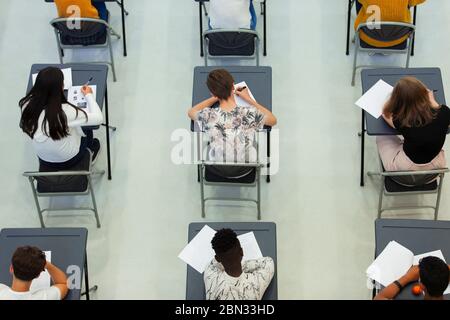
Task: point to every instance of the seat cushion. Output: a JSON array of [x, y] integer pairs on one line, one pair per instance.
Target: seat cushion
[[392, 186], [90, 33], [63, 184], [231, 174], [231, 44]]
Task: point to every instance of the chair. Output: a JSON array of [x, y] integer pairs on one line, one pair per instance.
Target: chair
[[230, 174], [383, 31], [76, 181], [91, 33], [231, 43], [399, 183]]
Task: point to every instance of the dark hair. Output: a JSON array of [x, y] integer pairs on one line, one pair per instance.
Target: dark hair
[[28, 263], [410, 103], [46, 95], [220, 82], [434, 275], [224, 241]]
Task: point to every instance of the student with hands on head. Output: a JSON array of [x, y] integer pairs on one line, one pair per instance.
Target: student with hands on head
[[26, 265]]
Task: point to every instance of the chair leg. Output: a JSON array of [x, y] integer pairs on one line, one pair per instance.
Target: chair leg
[[408, 58], [94, 203], [354, 62], [438, 200], [202, 191], [205, 51], [380, 200], [36, 200], [113, 66], [60, 50], [258, 187], [257, 51]]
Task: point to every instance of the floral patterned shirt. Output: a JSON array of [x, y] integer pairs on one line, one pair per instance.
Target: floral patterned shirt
[[231, 134]]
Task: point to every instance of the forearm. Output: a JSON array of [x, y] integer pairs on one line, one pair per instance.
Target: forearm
[[392, 290], [58, 276]]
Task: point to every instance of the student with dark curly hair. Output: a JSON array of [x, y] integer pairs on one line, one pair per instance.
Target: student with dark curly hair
[[228, 278]]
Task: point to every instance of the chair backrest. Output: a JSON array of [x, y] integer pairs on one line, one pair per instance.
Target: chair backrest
[[53, 181], [386, 31], [90, 31], [239, 42]]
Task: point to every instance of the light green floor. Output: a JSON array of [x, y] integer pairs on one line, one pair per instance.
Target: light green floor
[[325, 220]]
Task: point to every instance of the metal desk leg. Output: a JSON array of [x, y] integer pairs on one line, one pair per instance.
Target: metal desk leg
[[200, 18], [86, 277], [268, 157], [108, 150], [265, 28], [414, 37], [363, 134], [124, 34], [349, 18]]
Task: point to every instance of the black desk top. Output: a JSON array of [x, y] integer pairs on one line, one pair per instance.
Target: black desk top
[[68, 246], [431, 77], [81, 73], [258, 79], [419, 236], [265, 233]]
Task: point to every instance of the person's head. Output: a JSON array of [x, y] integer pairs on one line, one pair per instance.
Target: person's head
[[46, 95], [227, 248], [220, 83], [410, 103], [27, 263], [434, 276]]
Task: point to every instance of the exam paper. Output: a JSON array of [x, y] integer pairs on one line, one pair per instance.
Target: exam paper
[[43, 281], [76, 97], [437, 253], [67, 78], [199, 253], [239, 101], [375, 98], [392, 263]]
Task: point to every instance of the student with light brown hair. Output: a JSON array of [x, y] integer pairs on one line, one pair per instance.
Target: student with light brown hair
[[423, 123]]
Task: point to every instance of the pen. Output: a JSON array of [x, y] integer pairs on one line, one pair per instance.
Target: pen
[[89, 81], [240, 89]]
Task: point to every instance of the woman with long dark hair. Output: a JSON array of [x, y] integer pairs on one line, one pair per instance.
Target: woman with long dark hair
[[55, 125], [423, 123]]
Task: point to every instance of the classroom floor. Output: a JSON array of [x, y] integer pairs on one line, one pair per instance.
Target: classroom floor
[[325, 220]]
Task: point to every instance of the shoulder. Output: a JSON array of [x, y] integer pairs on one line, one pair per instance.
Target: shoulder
[[51, 293], [3, 287]]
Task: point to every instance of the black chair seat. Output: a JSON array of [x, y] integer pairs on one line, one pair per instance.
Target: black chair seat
[[394, 187], [90, 33], [222, 174], [401, 46], [64, 184], [231, 44]]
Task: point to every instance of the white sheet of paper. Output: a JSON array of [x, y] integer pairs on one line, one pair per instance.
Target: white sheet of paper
[[67, 78], [77, 98], [43, 281], [437, 253], [391, 264], [199, 253], [250, 246], [375, 98], [239, 101]]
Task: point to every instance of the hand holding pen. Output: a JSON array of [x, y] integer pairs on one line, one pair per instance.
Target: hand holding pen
[[86, 89]]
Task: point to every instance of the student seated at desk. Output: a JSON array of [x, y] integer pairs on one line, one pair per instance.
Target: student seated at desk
[[227, 278], [82, 9], [26, 265], [55, 125], [231, 128], [433, 275], [232, 14], [423, 123], [390, 10]]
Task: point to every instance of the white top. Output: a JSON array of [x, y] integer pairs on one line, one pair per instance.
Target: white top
[[57, 151], [250, 285], [229, 14], [52, 293]]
